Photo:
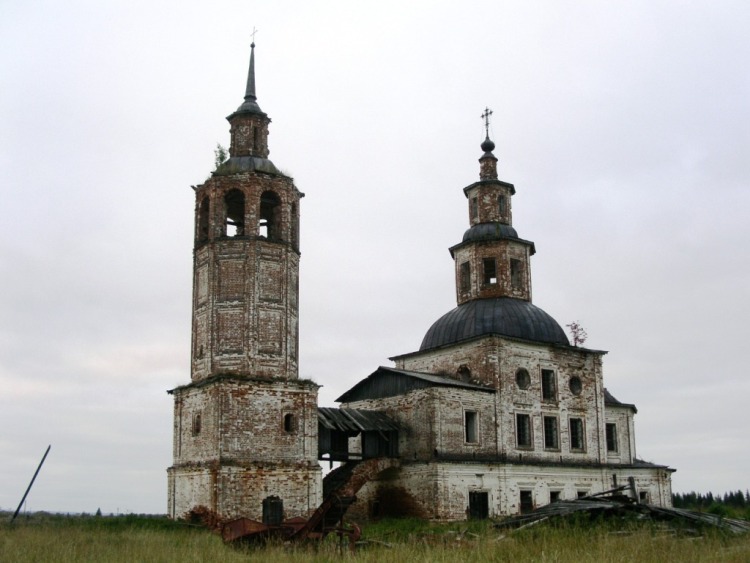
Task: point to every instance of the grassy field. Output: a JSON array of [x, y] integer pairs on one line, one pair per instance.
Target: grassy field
[[51, 538]]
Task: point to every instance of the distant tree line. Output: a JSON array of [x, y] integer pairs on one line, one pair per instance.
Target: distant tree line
[[735, 504]]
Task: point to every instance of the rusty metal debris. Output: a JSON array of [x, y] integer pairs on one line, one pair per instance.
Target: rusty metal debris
[[340, 487], [614, 504]]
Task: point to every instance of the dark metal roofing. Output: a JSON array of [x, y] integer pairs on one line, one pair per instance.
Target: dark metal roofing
[[490, 231], [237, 164], [389, 382], [355, 420], [504, 316], [610, 400]]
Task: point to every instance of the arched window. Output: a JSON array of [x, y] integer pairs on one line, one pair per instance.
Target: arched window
[[203, 220], [270, 211], [234, 206], [196, 424], [463, 373]]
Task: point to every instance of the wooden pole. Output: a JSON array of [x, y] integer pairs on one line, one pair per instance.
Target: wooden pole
[[20, 504]]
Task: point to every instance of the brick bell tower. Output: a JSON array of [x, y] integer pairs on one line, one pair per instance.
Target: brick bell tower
[[245, 427]]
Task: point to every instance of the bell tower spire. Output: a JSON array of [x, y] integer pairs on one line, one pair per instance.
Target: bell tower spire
[[249, 124]]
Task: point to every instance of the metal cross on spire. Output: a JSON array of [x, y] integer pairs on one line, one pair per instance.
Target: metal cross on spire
[[486, 116], [253, 34]]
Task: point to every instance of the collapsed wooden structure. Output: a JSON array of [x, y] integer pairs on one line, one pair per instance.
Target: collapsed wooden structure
[[616, 504]]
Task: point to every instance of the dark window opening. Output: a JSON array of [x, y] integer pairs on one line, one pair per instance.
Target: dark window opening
[[523, 430], [502, 207], [554, 496], [612, 437], [234, 205], [527, 502], [474, 208], [375, 510], [270, 211], [516, 273], [470, 427], [203, 220], [465, 281], [463, 373], [549, 388], [196, 424], [582, 494], [490, 270], [523, 379], [643, 497], [551, 434], [290, 424], [575, 385], [256, 140], [479, 505], [576, 434]]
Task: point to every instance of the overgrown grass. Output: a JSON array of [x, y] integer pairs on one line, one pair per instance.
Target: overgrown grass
[[51, 538]]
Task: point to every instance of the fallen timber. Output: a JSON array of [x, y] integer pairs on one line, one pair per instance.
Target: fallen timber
[[340, 487], [613, 505]]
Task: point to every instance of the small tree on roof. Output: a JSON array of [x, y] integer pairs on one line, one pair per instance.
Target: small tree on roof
[[577, 333]]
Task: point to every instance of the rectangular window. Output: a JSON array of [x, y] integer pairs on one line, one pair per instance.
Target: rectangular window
[[523, 430], [490, 270], [551, 434], [554, 496], [474, 208], [470, 427], [612, 438], [465, 281], [516, 273], [527, 502], [549, 387], [576, 435], [582, 494], [501, 206]]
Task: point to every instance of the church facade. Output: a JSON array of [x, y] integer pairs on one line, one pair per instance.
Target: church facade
[[496, 413]]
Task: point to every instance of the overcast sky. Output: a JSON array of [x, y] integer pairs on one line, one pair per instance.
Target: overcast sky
[[624, 126]]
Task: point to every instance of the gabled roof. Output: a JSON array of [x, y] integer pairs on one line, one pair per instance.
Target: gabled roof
[[355, 420], [389, 382], [610, 401]]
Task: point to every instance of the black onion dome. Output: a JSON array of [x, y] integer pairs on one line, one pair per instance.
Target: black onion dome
[[489, 231], [487, 145], [504, 316]]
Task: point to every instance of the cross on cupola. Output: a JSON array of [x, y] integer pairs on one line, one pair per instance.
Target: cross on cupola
[[488, 162], [486, 116]]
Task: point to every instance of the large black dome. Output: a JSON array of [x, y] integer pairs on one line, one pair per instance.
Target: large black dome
[[504, 316]]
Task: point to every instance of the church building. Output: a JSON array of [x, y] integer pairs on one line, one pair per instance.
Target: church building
[[495, 414]]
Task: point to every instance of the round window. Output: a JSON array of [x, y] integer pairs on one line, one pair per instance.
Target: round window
[[523, 380], [575, 385]]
